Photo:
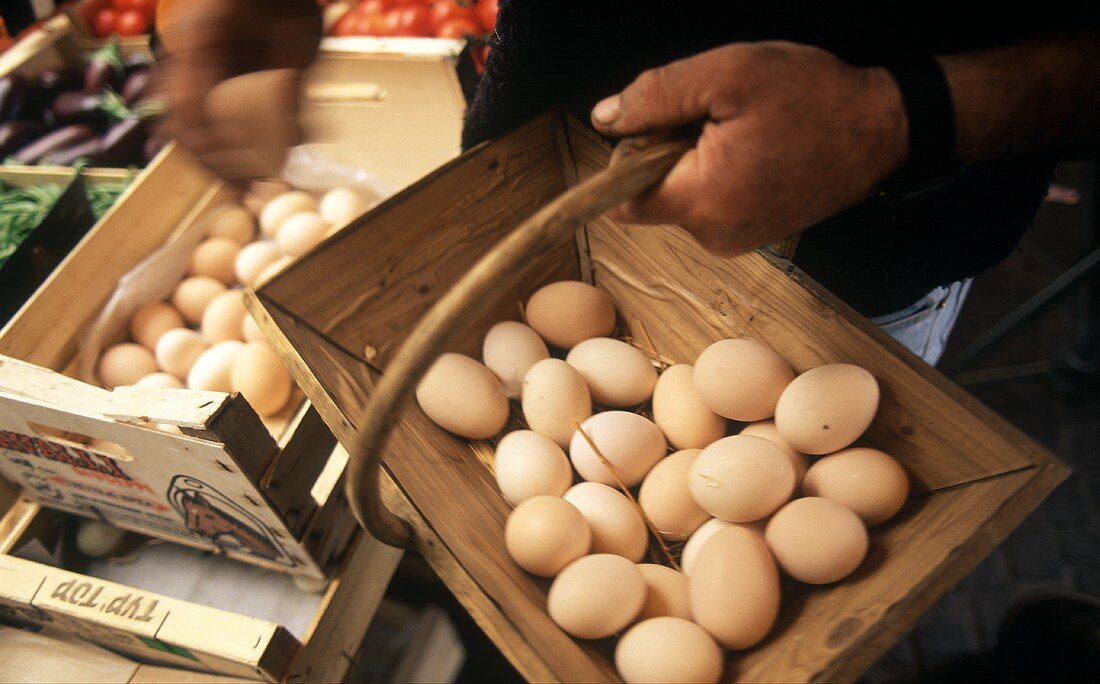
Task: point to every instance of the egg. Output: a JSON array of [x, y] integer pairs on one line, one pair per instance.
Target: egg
[[666, 592], [464, 397], [509, 350], [282, 206], [681, 414], [300, 232], [212, 371], [340, 206], [193, 294], [816, 540], [616, 525], [251, 329], [259, 374], [670, 650], [253, 259], [766, 430], [695, 543], [741, 379], [666, 500], [545, 533], [734, 588], [216, 257], [260, 192], [125, 364], [867, 481], [177, 351], [617, 374], [741, 479], [272, 269], [160, 380], [97, 539], [528, 464], [234, 222], [827, 408], [596, 596], [630, 442], [569, 311], [153, 320], [555, 398], [222, 319]]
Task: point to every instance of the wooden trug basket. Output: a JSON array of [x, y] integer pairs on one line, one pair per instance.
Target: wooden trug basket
[[340, 315]]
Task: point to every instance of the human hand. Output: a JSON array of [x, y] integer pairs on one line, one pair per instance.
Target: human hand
[[211, 41], [791, 135]]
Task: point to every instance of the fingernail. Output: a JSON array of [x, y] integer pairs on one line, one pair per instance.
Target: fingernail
[[607, 110]]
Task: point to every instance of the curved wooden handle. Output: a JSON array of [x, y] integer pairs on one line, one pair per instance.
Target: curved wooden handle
[[469, 300]]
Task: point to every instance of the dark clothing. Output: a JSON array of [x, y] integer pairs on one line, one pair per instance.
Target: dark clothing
[[878, 256]]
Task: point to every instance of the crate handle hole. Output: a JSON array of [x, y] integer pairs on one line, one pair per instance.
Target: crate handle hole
[[75, 440]]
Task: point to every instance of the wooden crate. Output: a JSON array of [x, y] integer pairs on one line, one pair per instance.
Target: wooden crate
[[58, 43], [89, 451], [339, 314], [164, 631]]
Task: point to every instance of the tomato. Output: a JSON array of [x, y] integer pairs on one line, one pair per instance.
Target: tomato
[[487, 13], [375, 6], [412, 3], [123, 5], [458, 28], [414, 20], [446, 10], [132, 23], [146, 7], [345, 25], [104, 22]]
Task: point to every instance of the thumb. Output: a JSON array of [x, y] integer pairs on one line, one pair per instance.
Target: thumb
[[666, 97]]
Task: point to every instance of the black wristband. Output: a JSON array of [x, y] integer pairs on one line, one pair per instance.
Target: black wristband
[[931, 114]]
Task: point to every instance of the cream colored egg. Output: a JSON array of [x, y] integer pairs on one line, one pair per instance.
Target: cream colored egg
[[125, 364], [666, 592], [282, 206], [596, 596], [161, 380], [253, 259], [617, 374], [222, 319], [681, 414], [869, 482], [741, 379], [251, 329], [616, 525], [695, 543], [528, 464], [464, 397], [827, 408], [300, 232], [234, 222], [509, 350], [734, 588], [666, 500], [668, 650], [555, 398], [97, 539], [741, 479], [212, 371], [260, 192], [569, 311], [216, 257], [177, 351], [153, 320], [633, 444], [272, 270], [816, 540], [193, 294], [340, 206], [766, 430], [544, 534], [259, 374]]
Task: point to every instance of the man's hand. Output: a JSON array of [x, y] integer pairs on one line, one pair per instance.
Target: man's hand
[[211, 41], [791, 135]]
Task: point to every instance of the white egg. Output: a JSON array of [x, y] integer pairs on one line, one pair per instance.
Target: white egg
[[213, 370], [281, 206], [300, 232], [340, 206]]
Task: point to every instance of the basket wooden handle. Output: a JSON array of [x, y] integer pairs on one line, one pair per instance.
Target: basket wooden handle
[[470, 299]]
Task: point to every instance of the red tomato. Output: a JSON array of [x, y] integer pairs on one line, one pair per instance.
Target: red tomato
[[458, 28], [375, 6], [412, 3], [132, 23], [487, 13], [414, 20], [371, 24], [146, 7], [446, 10], [123, 5], [104, 22], [345, 25]]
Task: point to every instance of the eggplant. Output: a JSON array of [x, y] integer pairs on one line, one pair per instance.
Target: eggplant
[[67, 156], [135, 85], [122, 143], [76, 107], [15, 134], [132, 63], [14, 89], [62, 137], [53, 81], [105, 68]]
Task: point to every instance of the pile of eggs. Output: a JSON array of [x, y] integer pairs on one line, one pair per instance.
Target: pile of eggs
[[737, 495], [202, 337]]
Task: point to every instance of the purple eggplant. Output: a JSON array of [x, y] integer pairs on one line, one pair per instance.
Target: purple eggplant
[[135, 85], [132, 63], [122, 143], [67, 156], [14, 90], [105, 68], [54, 81], [62, 137], [77, 107], [15, 134]]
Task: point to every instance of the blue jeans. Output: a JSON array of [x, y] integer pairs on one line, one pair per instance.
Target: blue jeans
[[923, 327]]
